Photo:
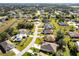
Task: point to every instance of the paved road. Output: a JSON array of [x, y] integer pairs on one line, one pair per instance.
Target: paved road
[[32, 42], [15, 51]]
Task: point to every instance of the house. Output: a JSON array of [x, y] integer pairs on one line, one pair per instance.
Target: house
[[47, 31], [19, 37], [3, 19], [53, 16], [77, 44], [35, 18], [67, 19], [48, 26], [6, 46], [22, 31], [49, 47], [46, 20], [49, 38], [74, 34], [62, 24], [72, 23]]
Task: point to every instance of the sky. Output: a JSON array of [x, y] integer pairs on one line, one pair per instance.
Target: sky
[[39, 1]]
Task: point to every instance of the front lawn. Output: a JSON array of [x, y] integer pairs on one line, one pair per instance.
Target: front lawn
[[27, 54], [9, 53], [39, 40], [24, 43], [67, 52]]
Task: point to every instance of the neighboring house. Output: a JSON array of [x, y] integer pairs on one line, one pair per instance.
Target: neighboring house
[[49, 47], [73, 34], [77, 44], [35, 18], [46, 20], [3, 19], [62, 24], [48, 26], [22, 31], [53, 16], [67, 19], [49, 38], [71, 23], [47, 31], [6, 46]]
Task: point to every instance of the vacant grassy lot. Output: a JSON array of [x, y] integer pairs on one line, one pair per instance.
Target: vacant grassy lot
[[7, 24]]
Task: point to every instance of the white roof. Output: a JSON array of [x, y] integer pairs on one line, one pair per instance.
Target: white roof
[[77, 43]]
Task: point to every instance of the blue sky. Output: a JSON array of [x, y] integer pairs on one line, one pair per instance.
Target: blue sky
[[39, 1]]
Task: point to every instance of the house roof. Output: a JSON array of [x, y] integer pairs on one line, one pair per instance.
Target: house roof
[[35, 17], [47, 31], [46, 20], [22, 30], [49, 38], [7, 45], [49, 47], [77, 43], [48, 26], [19, 37], [62, 24], [74, 34]]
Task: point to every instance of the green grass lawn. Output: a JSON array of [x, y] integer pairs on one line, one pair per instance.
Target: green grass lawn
[[77, 53], [67, 52], [24, 43], [39, 40], [40, 30], [67, 39], [27, 54], [57, 27], [34, 49]]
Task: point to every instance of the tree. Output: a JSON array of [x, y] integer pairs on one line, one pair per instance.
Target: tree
[[73, 48], [61, 20], [9, 31], [60, 35], [3, 36], [12, 31], [25, 25], [59, 39]]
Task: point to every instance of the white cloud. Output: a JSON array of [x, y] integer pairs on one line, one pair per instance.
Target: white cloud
[[39, 1]]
